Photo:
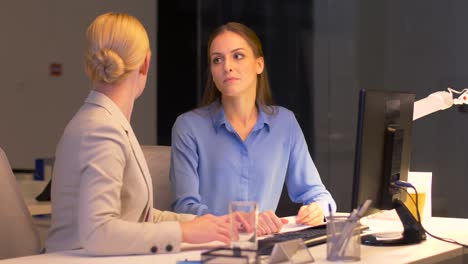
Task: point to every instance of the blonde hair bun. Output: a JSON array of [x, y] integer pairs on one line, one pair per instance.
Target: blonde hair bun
[[106, 65], [117, 44]]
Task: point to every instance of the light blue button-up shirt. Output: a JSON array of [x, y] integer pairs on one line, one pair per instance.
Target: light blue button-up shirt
[[211, 165]]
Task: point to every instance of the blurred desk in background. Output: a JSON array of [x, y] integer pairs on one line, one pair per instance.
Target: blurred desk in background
[[38, 208]]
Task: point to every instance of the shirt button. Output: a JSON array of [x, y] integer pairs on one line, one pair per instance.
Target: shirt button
[[169, 248], [154, 249]]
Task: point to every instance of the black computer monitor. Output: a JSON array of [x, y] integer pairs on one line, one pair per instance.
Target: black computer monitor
[[383, 150]]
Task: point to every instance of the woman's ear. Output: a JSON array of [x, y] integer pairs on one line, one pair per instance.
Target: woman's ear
[[260, 65], [146, 64]]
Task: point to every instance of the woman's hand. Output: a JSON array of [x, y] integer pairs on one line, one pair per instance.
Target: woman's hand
[[206, 228], [269, 223], [311, 214]]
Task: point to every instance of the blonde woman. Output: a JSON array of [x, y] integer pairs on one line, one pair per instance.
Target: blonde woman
[[102, 191]]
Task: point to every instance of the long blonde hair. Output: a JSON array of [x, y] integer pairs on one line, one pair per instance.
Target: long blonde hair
[[117, 44]]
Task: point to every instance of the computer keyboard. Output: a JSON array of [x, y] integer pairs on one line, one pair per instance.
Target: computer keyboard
[[312, 236]]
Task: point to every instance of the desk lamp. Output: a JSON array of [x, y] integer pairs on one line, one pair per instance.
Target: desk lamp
[[439, 101]]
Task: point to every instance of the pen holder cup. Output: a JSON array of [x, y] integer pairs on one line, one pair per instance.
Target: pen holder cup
[[343, 240]]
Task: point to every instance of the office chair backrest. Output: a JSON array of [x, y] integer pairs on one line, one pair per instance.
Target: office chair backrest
[[158, 159], [18, 234]]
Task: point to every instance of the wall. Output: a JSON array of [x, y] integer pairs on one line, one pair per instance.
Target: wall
[[427, 52], [34, 106], [336, 27], [178, 75], [417, 46]]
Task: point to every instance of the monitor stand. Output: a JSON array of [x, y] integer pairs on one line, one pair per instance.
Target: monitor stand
[[413, 233]]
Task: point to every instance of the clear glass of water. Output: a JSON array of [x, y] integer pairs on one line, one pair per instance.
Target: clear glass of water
[[243, 219]]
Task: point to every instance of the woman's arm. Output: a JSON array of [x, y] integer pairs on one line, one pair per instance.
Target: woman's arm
[[162, 216], [102, 231], [303, 179], [183, 173]]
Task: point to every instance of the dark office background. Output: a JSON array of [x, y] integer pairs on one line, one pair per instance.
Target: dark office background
[[281, 25], [319, 54]]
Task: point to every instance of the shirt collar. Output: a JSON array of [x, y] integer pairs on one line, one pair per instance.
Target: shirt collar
[[263, 119], [219, 117], [100, 99]]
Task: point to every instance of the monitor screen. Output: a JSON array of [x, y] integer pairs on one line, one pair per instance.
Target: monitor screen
[[383, 146]]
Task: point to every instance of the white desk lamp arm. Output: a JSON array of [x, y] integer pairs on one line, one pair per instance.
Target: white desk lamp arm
[[439, 101], [462, 99]]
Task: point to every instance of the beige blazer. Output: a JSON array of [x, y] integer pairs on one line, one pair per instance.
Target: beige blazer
[[102, 191]]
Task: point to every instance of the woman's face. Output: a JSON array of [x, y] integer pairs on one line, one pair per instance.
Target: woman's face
[[233, 65]]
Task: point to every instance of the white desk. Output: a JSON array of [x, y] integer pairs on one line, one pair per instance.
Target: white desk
[[39, 208], [430, 251], [30, 189]]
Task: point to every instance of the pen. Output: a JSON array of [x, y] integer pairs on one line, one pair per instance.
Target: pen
[[351, 224], [331, 222], [363, 209], [331, 225], [346, 235]]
